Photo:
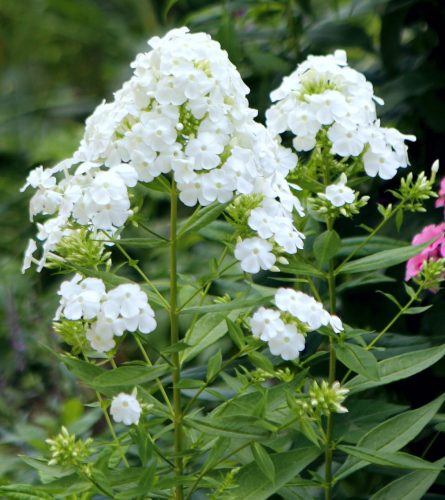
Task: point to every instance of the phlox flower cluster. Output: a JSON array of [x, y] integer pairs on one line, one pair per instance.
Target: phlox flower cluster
[[184, 113], [284, 329], [323, 93], [434, 251], [108, 314], [125, 408], [273, 223]]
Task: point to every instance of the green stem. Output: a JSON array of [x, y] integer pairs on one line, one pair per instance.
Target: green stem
[[370, 236], [174, 339], [207, 469], [332, 362], [158, 381], [108, 420], [388, 326], [132, 263]]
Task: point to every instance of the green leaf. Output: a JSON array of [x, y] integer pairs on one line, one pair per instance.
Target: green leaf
[[253, 484], [302, 268], [237, 426], [83, 370], [358, 360], [263, 460], [128, 376], [393, 434], [236, 333], [206, 331], [399, 220], [201, 217], [391, 298], [366, 279], [178, 347], [326, 245], [398, 460], [413, 486], [398, 368], [23, 492], [42, 466], [383, 260], [374, 245], [214, 365], [417, 310], [227, 306], [143, 242]]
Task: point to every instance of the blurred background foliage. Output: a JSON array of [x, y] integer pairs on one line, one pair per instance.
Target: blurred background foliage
[[60, 58]]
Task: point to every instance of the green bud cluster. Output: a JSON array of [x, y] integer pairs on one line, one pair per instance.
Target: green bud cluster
[[80, 248], [187, 126], [413, 193], [239, 211], [326, 398], [431, 275], [227, 483], [324, 208], [67, 451], [283, 375], [73, 334]]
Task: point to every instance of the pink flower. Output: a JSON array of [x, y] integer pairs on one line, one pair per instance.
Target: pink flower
[[440, 202], [434, 251]]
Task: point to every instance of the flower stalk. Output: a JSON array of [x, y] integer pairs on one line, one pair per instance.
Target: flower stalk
[[174, 339]]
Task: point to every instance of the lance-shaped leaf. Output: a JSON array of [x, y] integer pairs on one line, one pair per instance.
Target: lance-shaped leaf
[[398, 368], [201, 217], [358, 360], [412, 486], [383, 260], [253, 484], [392, 435]]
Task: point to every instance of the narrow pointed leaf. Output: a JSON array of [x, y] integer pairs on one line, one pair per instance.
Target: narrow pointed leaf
[[393, 434], [263, 460], [397, 459], [383, 260], [358, 360], [413, 486], [398, 368]]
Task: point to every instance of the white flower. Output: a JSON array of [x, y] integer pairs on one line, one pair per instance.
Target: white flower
[[81, 299], [129, 304], [287, 343], [100, 336], [28, 257], [125, 408], [254, 254], [205, 151], [346, 141], [266, 323], [339, 194]]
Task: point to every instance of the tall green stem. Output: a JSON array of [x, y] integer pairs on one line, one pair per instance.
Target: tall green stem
[[174, 339], [332, 361]]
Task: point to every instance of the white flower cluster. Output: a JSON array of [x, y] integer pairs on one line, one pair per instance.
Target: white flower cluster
[[124, 308], [272, 221], [125, 408], [284, 329], [184, 112], [324, 93]]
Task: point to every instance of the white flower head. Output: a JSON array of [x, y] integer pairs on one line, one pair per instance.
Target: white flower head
[[125, 408]]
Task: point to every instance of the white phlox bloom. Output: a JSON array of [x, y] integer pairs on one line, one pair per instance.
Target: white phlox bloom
[[324, 93], [254, 254], [125, 408], [109, 314], [284, 337], [184, 113], [339, 193]]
